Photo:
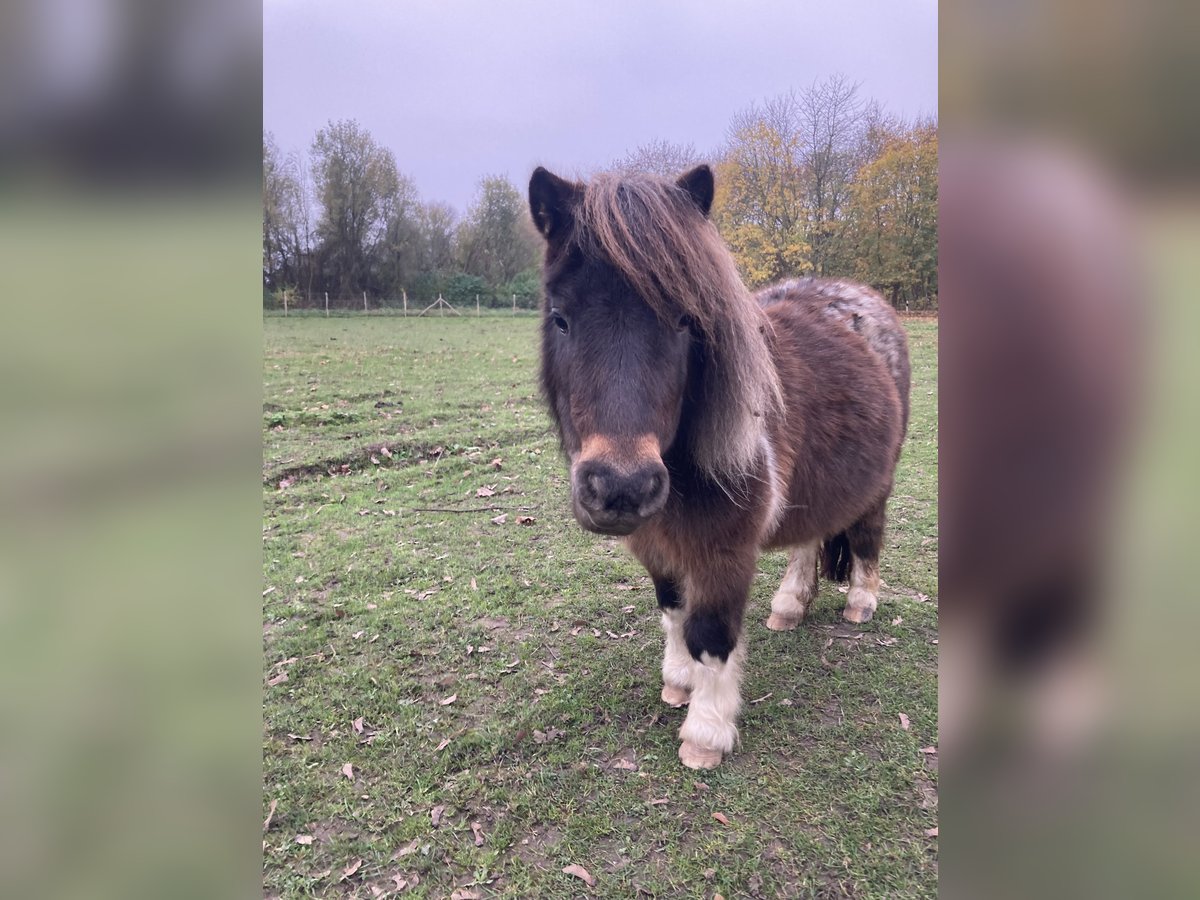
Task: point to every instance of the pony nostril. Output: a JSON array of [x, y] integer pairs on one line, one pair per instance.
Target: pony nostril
[[594, 487]]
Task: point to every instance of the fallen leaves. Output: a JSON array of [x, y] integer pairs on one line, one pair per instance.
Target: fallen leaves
[[488, 490], [500, 519], [448, 700], [357, 725], [931, 832], [351, 869], [720, 817], [580, 872], [477, 830], [435, 815], [348, 771], [626, 764], [304, 839], [904, 723], [465, 894], [410, 847], [526, 520], [270, 815], [277, 679]]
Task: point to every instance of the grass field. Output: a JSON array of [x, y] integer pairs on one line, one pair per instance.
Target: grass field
[[461, 686]]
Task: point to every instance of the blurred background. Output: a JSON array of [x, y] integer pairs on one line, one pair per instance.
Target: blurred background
[[1069, 232], [130, 381], [130, 236]]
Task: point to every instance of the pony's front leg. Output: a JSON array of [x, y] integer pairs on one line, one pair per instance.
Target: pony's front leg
[[677, 662], [712, 634]]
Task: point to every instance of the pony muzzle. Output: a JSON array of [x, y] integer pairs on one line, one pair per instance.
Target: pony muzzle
[[614, 493]]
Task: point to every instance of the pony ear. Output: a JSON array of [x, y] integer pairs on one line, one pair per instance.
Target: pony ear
[[698, 183], [551, 202]]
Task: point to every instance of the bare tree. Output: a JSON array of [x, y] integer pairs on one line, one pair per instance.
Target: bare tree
[[658, 157]]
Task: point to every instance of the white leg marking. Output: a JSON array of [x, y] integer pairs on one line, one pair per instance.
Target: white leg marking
[[797, 589], [710, 729], [864, 591], [677, 662]]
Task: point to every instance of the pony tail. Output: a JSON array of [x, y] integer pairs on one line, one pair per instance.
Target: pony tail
[[835, 557]]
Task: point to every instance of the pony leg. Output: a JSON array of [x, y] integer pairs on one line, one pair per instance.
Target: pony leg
[[677, 662], [709, 731], [712, 630], [796, 591], [866, 540], [864, 591]]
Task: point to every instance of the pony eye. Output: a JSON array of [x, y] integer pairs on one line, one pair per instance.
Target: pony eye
[[559, 322]]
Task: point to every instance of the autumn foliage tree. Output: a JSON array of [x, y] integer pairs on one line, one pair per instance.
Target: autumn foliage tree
[[892, 217]]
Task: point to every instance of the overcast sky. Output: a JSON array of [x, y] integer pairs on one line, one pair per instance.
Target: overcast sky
[[459, 89]]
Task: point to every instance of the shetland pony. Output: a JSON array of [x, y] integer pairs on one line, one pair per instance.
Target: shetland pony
[[705, 424]]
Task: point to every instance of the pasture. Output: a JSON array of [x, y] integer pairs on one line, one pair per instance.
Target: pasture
[[461, 686]]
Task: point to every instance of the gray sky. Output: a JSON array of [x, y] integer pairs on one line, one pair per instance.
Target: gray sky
[[459, 89]]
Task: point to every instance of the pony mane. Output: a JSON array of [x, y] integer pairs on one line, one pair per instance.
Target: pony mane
[[651, 230]]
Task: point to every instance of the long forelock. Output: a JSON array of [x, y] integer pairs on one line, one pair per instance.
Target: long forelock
[[673, 257]]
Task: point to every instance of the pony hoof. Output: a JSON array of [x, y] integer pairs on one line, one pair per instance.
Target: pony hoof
[[696, 757], [858, 614], [675, 696], [779, 622]]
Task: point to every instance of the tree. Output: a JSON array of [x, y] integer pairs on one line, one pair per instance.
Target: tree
[[830, 114], [759, 204], [497, 242], [358, 186], [283, 218], [893, 217], [658, 157]]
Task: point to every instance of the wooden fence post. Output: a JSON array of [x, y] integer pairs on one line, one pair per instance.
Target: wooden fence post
[[514, 304], [477, 306], [405, 293], [327, 304], [364, 301], [285, 304]]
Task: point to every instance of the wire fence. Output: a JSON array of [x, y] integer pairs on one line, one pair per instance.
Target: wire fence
[[403, 306]]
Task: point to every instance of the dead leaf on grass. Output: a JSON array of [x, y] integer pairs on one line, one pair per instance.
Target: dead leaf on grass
[[348, 771], [435, 815], [580, 872], [500, 519], [448, 700], [474, 585], [658, 802], [929, 750], [351, 869], [710, 874], [410, 847], [442, 746], [497, 463], [278, 679], [357, 725], [526, 520], [466, 894], [626, 764], [904, 723], [304, 839], [486, 491], [897, 620], [270, 814], [931, 832], [720, 817], [477, 830]]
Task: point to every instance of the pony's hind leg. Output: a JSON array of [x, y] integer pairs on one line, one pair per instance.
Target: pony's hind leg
[[866, 540], [677, 662], [797, 590]]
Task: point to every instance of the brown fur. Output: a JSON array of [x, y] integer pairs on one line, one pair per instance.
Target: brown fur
[[779, 419]]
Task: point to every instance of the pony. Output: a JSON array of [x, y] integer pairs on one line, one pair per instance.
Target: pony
[[705, 424]]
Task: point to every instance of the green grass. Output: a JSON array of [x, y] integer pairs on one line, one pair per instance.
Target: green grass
[[389, 590]]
